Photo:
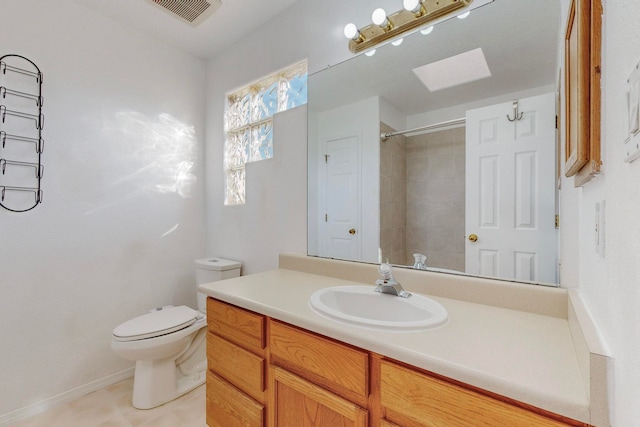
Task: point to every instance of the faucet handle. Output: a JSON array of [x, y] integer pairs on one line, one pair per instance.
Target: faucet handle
[[419, 261], [385, 271]]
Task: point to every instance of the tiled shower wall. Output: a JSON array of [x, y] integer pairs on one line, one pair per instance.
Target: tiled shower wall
[[422, 183], [435, 197], [393, 197]]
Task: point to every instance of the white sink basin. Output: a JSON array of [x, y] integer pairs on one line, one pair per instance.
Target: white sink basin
[[362, 306]]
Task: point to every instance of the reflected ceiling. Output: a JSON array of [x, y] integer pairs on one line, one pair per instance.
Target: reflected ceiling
[[517, 55]]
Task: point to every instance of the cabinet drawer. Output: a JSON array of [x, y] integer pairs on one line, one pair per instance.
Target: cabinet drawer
[[237, 325], [229, 407], [414, 399], [240, 367], [335, 366]]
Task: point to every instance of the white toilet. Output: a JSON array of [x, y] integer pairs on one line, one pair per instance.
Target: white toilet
[[169, 343]]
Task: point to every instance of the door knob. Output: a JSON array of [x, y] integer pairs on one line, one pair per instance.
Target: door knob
[[473, 237], [352, 231]]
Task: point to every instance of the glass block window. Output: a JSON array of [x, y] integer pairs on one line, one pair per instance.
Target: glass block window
[[248, 123]]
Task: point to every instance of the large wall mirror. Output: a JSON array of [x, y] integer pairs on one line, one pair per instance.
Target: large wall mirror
[[474, 189]]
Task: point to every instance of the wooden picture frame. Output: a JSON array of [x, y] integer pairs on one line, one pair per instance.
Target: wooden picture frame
[[582, 90]]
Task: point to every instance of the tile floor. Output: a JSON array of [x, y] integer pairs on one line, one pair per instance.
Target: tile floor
[[111, 407]]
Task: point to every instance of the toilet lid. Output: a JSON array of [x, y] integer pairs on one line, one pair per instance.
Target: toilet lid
[[155, 323]]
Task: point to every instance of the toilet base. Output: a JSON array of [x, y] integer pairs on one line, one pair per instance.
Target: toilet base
[[160, 381]]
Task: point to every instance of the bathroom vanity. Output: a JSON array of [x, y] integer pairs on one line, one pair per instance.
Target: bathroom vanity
[[273, 361]]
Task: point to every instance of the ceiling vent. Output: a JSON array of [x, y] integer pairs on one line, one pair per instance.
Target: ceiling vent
[[192, 12]]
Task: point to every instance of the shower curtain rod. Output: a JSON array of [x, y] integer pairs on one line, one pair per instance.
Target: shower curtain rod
[[386, 135]]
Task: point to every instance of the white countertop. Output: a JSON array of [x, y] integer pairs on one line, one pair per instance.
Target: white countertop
[[527, 357]]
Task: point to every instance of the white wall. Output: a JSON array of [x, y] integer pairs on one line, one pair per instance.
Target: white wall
[[113, 237], [273, 220], [391, 116], [610, 285]]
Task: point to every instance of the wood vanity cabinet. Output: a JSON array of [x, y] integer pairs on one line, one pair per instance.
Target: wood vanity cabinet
[[266, 373], [236, 357]]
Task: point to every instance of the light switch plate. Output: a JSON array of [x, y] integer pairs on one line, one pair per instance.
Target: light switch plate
[[632, 149]]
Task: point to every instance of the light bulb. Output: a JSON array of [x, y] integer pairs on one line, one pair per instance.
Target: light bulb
[[351, 31], [415, 7], [379, 16], [427, 30], [397, 42], [464, 15], [412, 5], [370, 52]]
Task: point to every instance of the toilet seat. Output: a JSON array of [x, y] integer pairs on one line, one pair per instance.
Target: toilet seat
[[156, 323]]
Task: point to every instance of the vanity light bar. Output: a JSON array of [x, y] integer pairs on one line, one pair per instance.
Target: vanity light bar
[[403, 21]]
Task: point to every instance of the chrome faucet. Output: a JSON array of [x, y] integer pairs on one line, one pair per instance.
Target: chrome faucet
[[388, 285]]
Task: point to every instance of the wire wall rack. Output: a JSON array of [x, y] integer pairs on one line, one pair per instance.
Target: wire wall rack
[[21, 125]]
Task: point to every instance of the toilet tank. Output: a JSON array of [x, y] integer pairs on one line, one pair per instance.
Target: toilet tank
[[211, 270]]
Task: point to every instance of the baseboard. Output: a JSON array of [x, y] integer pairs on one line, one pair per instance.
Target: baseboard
[[594, 360], [62, 398]]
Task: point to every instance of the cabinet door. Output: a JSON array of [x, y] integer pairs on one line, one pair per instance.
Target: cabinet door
[[299, 403]]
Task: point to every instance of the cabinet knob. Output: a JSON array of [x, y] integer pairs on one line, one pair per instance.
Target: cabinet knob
[[352, 231]]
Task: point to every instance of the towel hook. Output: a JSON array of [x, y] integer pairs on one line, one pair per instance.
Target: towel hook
[[516, 114]]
